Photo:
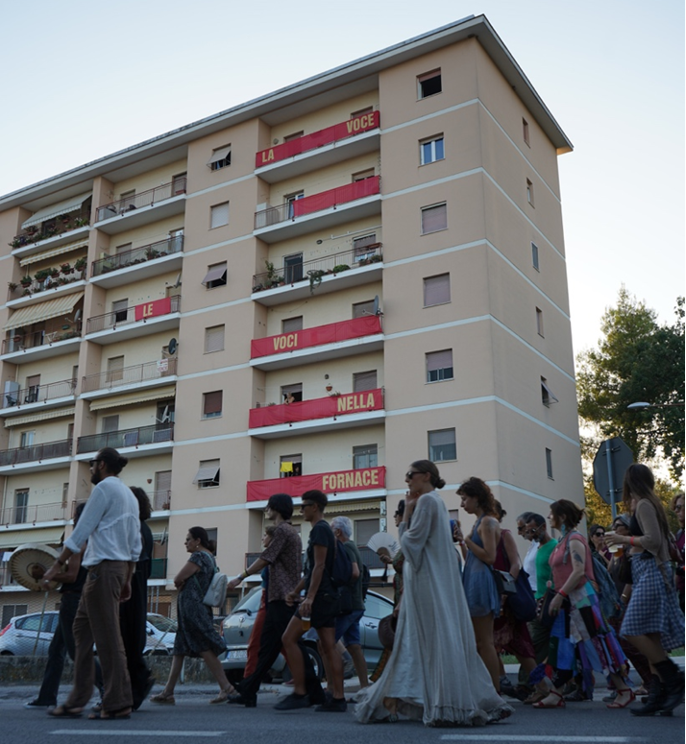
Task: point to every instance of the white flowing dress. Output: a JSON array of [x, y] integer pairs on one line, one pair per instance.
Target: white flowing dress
[[434, 669]]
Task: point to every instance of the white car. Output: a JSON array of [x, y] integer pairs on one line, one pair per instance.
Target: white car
[[161, 632]]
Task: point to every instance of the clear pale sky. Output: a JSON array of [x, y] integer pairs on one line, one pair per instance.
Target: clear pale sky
[[82, 80]]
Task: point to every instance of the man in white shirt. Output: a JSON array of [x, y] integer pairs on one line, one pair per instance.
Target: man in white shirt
[[529, 561], [110, 524]]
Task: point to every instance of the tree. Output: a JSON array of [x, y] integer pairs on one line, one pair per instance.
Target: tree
[[636, 360]]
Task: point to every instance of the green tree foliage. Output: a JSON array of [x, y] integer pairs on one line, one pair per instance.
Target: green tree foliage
[[636, 360]]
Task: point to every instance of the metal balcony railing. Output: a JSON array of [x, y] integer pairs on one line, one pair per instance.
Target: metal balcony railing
[[17, 291], [16, 342], [39, 393], [139, 255], [31, 513], [126, 438], [129, 375], [314, 270], [124, 316], [144, 199], [35, 235], [34, 452]]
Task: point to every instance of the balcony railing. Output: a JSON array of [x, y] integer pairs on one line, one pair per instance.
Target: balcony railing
[[54, 281], [134, 313], [39, 393], [31, 513], [313, 141], [160, 500], [34, 452], [153, 434], [33, 340], [129, 375], [138, 255], [314, 270], [317, 202], [144, 199], [34, 235]]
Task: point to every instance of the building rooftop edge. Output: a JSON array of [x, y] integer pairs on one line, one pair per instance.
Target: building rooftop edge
[[478, 27]]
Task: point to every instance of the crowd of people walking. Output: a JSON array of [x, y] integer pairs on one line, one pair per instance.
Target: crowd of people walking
[[571, 609]]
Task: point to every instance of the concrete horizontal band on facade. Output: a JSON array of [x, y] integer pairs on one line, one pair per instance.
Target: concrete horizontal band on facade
[[31, 418], [169, 391]]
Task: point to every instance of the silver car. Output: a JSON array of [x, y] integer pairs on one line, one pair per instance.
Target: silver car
[[28, 635], [237, 628]]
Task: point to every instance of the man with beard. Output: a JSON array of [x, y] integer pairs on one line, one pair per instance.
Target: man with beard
[[110, 524]]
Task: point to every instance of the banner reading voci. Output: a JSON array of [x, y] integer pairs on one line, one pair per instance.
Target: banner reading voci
[[324, 334], [336, 482]]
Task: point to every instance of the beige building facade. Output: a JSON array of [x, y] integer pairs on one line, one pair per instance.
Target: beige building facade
[[312, 289]]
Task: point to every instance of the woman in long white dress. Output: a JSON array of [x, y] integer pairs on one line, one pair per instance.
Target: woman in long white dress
[[434, 673]]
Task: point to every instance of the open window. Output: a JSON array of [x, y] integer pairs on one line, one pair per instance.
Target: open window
[[208, 474]]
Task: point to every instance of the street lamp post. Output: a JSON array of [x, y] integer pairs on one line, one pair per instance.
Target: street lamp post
[[643, 404]]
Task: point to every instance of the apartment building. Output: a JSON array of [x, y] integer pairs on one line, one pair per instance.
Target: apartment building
[[310, 290]]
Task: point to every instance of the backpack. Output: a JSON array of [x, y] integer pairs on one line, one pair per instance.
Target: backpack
[[215, 596], [342, 579]]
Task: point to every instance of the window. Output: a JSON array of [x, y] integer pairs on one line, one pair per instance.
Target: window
[[212, 537], [362, 247], [434, 218], [65, 495], [221, 158], [161, 497], [525, 131], [364, 381], [530, 192], [290, 200], [431, 150], [439, 365], [293, 268], [179, 184], [21, 505], [219, 215], [214, 339], [208, 474], [292, 393], [549, 462], [110, 423], [26, 439], [442, 445], [123, 248], [363, 175], [365, 456], [291, 325], [539, 321], [290, 466], [120, 311], [429, 84], [364, 529], [32, 389], [547, 397], [216, 275], [534, 256], [294, 135], [436, 290], [360, 309], [115, 369], [212, 404], [362, 112]]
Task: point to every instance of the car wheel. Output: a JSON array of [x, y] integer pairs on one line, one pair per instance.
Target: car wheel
[[316, 660], [6, 653]]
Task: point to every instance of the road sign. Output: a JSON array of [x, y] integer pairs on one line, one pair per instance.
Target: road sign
[[609, 465]]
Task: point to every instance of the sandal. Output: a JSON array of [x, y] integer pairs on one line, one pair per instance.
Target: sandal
[[560, 703], [62, 711], [115, 715], [535, 697], [224, 695], [163, 698], [615, 705]]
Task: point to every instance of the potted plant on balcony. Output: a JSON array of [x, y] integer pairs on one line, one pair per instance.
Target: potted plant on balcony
[[26, 281], [41, 275], [54, 273], [315, 277], [81, 222], [66, 268], [340, 267], [80, 263]]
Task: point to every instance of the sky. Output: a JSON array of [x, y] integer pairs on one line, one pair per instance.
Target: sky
[[81, 81]]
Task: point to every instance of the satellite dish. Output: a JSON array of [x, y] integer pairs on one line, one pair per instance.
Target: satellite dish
[[377, 310], [77, 316], [166, 416], [173, 345]]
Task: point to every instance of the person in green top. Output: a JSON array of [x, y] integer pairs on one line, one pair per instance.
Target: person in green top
[[537, 530]]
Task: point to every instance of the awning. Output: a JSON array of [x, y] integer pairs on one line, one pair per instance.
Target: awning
[[43, 311], [55, 210], [219, 154], [36, 257], [169, 391], [215, 274], [340, 507], [39, 416], [14, 538], [206, 474]]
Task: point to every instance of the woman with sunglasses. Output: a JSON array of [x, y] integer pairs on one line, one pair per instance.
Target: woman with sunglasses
[[434, 673]]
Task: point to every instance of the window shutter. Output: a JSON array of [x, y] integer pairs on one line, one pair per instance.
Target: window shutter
[[442, 437], [212, 402], [439, 360], [364, 381], [290, 325], [219, 215], [437, 290], [214, 339], [434, 218]]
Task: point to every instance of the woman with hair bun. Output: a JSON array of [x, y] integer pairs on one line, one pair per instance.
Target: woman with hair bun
[[196, 635], [434, 673]]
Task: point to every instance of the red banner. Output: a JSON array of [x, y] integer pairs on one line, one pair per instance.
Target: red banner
[[339, 195], [344, 330], [151, 309], [338, 482], [305, 410], [318, 139]]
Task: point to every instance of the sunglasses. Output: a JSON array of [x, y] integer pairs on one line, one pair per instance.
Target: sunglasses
[[306, 503], [93, 462], [411, 473]]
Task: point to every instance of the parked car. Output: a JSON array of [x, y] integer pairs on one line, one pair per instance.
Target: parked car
[[238, 625], [26, 635]]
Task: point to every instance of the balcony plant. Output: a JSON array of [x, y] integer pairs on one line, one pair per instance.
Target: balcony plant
[[42, 274], [340, 267], [80, 263], [66, 268], [54, 273], [26, 281], [151, 253], [315, 277]]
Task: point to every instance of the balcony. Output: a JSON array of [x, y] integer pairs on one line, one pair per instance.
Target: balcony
[[158, 568], [321, 211], [152, 438], [132, 211], [343, 141], [134, 321], [31, 514], [318, 415], [149, 374], [331, 341], [36, 456], [30, 293], [160, 500], [50, 395], [138, 263], [331, 273], [370, 480]]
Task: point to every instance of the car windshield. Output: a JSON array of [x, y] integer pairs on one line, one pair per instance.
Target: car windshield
[[165, 624], [251, 602]]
